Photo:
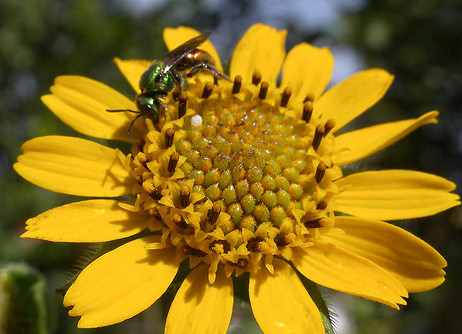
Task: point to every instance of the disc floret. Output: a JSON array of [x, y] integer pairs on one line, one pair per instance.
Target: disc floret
[[243, 176]]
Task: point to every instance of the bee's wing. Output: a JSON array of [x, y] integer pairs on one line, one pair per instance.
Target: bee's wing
[[174, 56]]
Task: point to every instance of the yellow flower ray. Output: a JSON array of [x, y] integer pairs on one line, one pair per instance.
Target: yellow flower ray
[[95, 220], [353, 96], [201, 307], [356, 145], [307, 70], [280, 302], [81, 103], [121, 283], [73, 166], [132, 70], [338, 269], [417, 265], [260, 49], [394, 194]]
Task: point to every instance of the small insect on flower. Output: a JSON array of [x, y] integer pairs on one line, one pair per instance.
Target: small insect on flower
[[169, 72], [233, 178]]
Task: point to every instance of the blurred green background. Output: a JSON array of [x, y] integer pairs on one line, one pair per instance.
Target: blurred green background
[[419, 41]]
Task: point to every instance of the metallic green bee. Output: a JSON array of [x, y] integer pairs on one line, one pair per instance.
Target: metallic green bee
[[167, 73]]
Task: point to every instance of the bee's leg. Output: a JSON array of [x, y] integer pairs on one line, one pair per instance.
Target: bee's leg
[[180, 80], [209, 68], [162, 104]]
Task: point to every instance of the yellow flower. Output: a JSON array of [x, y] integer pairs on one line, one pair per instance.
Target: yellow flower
[[241, 177]]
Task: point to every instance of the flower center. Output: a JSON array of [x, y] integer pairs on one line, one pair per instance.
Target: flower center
[[237, 174]]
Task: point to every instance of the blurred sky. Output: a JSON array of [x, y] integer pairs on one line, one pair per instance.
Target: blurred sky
[[304, 16]]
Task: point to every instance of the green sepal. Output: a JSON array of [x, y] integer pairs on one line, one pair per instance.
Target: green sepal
[[23, 306], [316, 295]]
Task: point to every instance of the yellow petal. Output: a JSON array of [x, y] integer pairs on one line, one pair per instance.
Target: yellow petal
[[338, 269], [200, 307], [73, 166], [81, 103], [87, 221], [394, 194], [121, 283], [132, 70], [350, 98], [307, 70], [174, 37], [359, 144], [280, 302], [417, 265], [260, 49]]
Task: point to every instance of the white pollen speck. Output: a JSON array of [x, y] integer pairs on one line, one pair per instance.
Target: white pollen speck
[[196, 120]]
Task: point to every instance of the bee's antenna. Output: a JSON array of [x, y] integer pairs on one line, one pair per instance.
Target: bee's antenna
[[122, 110], [133, 122], [129, 110]]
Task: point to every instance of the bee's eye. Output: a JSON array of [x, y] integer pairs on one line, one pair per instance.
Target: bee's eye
[[158, 79]]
